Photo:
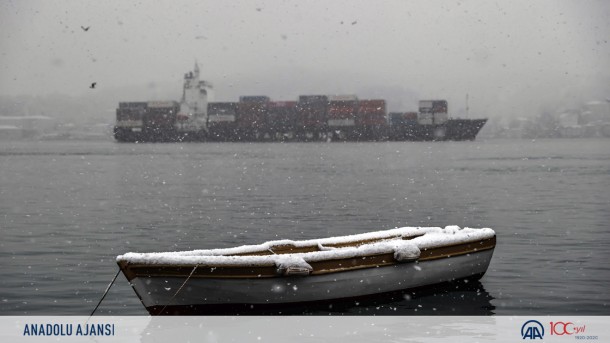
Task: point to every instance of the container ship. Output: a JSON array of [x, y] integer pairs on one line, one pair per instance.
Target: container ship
[[309, 118]]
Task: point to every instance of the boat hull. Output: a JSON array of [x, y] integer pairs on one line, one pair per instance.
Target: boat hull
[[157, 293]]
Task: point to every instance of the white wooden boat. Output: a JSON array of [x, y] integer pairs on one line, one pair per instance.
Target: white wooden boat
[[288, 272]]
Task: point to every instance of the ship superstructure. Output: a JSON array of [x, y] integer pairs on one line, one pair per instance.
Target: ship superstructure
[[192, 118]]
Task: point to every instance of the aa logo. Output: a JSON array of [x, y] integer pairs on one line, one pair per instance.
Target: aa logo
[[532, 329]]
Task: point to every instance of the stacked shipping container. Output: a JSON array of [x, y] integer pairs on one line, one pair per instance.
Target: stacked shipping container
[[252, 112], [146, 121], [371, 113], [433, 112], [312, 112], [342, 111], [222, 120], [372, 121], [130, 114], [252, 117], [160, 119], [281, 117]]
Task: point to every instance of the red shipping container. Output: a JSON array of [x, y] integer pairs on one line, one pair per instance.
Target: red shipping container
[[311, 112], [371, 113], [281, 115], [252, 115], [410, 116]]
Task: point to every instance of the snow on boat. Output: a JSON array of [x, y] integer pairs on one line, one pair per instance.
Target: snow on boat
[[288, 272]]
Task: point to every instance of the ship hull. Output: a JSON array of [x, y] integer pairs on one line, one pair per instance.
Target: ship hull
[[452, 130], [464, 129]]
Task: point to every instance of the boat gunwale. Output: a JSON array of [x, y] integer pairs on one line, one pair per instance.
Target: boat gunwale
[[263, 249], [135, 270]]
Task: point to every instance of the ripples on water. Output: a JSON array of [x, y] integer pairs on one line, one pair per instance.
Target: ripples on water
[[68, 208]]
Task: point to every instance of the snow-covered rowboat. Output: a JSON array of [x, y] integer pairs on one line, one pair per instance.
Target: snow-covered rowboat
[[286, 272]]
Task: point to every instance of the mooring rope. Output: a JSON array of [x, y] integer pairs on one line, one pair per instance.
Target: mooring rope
[[106, 292], [179, 289]]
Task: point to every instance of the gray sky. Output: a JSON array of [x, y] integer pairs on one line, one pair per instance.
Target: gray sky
[[509, 56]]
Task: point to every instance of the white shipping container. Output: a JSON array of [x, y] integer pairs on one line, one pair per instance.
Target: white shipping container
[[341, 122], [161, 104], [425, 104], [221, 118], [129, 123], [440, 118], [425, 118], [343, 97]]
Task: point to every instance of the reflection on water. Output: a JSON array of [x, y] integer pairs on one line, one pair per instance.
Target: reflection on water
[[462, 297], [458, 298]]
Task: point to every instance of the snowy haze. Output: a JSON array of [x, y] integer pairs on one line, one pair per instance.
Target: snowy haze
[[511, 57]]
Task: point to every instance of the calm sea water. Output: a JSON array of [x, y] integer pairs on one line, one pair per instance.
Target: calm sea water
[[67, 209]]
